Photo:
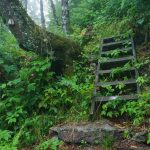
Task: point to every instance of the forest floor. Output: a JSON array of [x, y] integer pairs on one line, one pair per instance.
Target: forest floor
[[124, 144], [121, 145]]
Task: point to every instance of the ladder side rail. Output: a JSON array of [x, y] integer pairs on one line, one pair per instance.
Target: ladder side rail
[[96, 80], [136, 71]]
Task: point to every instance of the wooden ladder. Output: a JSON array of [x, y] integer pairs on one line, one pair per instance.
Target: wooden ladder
[[110, 47]]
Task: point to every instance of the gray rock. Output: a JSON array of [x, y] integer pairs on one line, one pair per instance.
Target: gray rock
[[140, 137], [92, 133], [139, 148]]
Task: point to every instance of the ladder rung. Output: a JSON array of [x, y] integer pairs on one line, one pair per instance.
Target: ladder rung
[[131, 81], [118, 59], [120, 97], [111, 70], [118, 42], [114, 37], [107, 38], [109, 52]]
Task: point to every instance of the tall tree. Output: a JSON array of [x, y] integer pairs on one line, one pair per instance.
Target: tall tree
[[26, 4], [42, 14], [32, 37], [54, 12], [65, 15]]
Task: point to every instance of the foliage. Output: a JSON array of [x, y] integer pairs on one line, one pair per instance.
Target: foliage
[[33, 98], [131, 16], [108, 142], [32, 95], [148, 141], [137, 110], [50, 143], [6, 140]]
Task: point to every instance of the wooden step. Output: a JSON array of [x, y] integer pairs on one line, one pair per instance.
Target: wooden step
[[120, 97], [114, 38], [111, 51], [107, 65], [116, 43], [118, 59], [111, 70], [130, 81]]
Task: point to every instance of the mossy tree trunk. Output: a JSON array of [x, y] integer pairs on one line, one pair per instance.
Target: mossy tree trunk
[[32, 37], [42, 14], [26, 5], [65, 16], [53, 9]]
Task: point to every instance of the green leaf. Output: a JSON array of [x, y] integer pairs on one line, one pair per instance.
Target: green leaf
[[14, 82], [148, 140], [1, 61], [3, 86], [31, 87], [5, 135], [140, 21]]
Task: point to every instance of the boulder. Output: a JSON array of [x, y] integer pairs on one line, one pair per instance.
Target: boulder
[[140, 137], [92, 133]]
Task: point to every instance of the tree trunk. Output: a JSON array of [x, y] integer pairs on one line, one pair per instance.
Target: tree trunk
[[65, 16], [54, 12], [32, 37], [42, 14], [26, 5]]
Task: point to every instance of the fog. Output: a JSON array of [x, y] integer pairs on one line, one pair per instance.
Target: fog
[[34, 10]]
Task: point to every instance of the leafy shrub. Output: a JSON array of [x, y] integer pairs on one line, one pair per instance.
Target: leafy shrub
[[49, 144], [33, 96]]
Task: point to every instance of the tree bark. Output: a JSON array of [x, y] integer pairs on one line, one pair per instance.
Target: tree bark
[[26, 4], [54, 12], [32, 37], [42, 14], [65, 16]]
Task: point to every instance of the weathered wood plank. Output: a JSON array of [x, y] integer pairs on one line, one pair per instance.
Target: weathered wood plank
[[118, 59], [119, 97], [111, 70], [130, 81], [137, 73], [116, 43], [111, 51]]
